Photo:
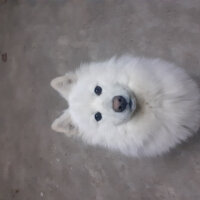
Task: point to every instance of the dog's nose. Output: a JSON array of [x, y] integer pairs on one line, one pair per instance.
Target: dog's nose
[[119, 103]]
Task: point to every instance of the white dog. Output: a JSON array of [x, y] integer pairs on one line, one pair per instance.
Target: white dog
[[135, 105]]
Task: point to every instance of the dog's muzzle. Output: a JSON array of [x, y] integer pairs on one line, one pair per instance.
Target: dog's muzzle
[[119, 103]]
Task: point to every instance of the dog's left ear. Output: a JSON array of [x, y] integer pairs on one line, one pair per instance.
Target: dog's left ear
[[63, 83], [63, 124]]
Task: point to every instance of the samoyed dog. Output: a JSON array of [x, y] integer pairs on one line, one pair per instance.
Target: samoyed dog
[[138, 106]]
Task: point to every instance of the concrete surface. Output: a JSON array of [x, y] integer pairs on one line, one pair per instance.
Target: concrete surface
[[42, 39]]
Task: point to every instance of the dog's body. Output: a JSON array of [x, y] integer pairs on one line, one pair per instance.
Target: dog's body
[[135, 105]]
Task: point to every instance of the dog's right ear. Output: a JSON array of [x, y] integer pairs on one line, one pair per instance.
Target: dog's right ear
[[63, 83], [63, 124]]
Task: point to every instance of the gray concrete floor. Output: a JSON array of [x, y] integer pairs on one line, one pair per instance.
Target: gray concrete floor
[[43, 39]]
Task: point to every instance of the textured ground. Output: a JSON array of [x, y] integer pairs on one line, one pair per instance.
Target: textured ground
[[42, 39]]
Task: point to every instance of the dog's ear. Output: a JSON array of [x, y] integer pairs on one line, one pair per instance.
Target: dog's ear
[[63, 83], [63, 124]]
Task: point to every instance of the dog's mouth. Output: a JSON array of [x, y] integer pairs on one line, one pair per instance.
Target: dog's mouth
[[125, 106], [132, 104], [121, 104]]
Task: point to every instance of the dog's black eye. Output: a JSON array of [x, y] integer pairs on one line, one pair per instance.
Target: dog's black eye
[[98, 90], [98, 116]]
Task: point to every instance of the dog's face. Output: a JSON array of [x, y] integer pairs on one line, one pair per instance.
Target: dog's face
[[96, 100], [95, 103]]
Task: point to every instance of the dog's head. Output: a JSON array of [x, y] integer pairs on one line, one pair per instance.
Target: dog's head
[[99, 99]]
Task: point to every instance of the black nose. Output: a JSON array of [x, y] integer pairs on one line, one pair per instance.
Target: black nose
[[119, 103]]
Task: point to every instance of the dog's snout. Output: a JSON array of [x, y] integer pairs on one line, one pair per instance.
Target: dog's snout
[[119, 103]]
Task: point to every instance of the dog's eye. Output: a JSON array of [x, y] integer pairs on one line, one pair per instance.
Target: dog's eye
[[98, 116], [98, 90]]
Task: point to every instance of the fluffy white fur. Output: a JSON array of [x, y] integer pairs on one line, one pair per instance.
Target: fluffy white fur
[[167, 111]]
